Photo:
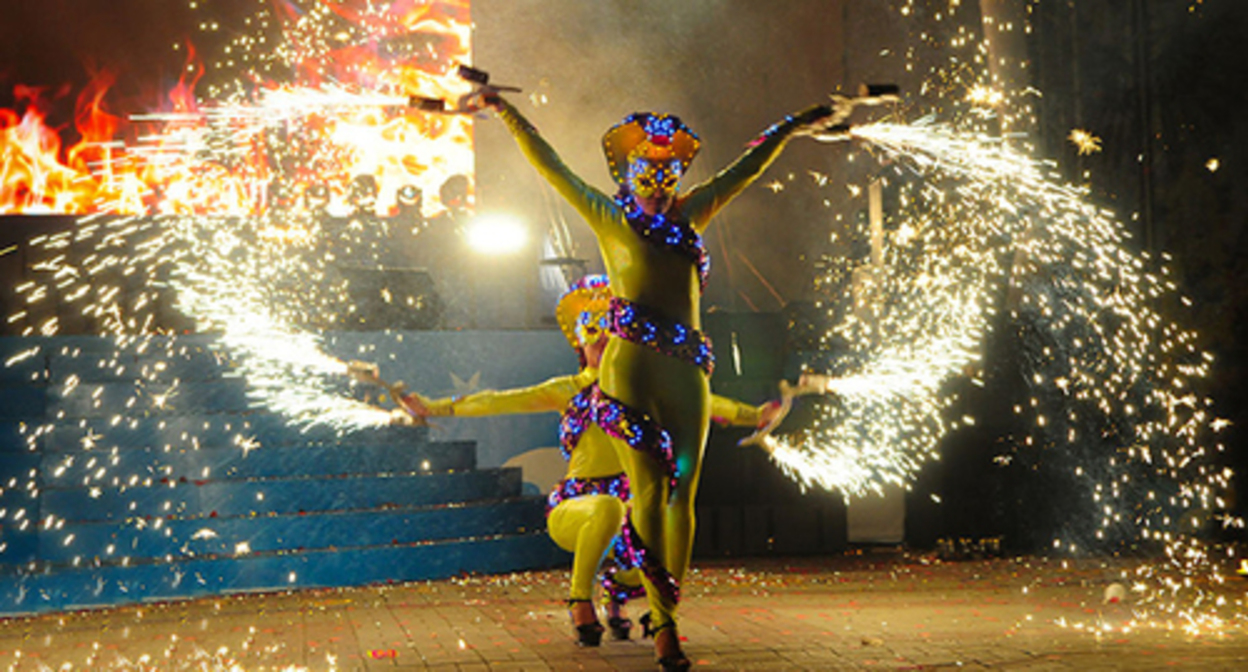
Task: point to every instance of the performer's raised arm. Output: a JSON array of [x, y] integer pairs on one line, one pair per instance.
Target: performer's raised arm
[[706, 199], [592, 204]]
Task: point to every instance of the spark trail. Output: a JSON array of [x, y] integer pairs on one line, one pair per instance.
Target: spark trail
[[987, 230]]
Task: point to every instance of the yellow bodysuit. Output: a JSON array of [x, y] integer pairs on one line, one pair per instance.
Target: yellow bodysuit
[[584, 525], [673, 393]]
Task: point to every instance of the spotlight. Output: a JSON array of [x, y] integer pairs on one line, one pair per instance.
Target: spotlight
[[496, 234], [410, 201], [409, 195]]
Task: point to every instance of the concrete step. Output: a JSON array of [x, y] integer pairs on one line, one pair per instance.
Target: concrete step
[[139, 399], [188, 432], [154, 497], [110, 585], [196, 360], [114, 466], [239, 536]]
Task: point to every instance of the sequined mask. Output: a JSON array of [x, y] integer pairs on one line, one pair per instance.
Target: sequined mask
[[592, 325], [648, 177]]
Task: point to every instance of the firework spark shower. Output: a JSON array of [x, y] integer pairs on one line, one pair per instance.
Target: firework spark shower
[[1115, 383], [222, 197]]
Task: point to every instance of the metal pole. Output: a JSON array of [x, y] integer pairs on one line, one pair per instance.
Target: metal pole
[[1144, 89]]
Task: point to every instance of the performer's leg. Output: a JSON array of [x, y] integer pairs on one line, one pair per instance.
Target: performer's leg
[[586, 526], [648, 485], [688, 432], [620, 585], [629, 578], [676, 397], [688, 443]]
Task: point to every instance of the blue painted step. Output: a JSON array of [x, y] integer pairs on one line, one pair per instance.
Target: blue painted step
[[97, 359], [110, 585], [141, 471], [198, 537], [106, 467], [86, 347], [189, 432], [24, 401], [182, 361], [275, 496], [137, 399]]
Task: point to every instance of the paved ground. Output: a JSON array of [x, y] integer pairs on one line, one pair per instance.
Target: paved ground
[[865, 612]]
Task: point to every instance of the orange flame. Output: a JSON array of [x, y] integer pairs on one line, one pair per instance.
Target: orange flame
[[411, 47], [34, 175]]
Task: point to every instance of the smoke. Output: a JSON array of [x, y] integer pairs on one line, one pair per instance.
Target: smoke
[[728, 68]]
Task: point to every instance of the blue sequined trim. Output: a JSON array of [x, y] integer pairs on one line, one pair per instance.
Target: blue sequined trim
[[636, 428], [575, 420], [570, 488], [617, 590], [671, 233], [638, 324], [631, 552]]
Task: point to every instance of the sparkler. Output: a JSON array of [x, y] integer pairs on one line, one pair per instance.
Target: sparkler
[[208, 189], [987, 226], [1114, 381], [285, 367]]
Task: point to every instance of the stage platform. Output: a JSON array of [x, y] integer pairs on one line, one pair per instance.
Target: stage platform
[[864, 611]]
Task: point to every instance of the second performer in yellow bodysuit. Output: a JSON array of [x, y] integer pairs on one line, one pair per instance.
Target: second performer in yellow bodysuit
[[586, 510]]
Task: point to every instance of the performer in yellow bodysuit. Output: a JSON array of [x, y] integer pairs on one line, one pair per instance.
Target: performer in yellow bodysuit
[[653, 392], [587, 508]]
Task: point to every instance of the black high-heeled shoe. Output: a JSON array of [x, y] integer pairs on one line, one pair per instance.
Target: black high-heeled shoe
[[618, 625], [587, 634], [677, 663]]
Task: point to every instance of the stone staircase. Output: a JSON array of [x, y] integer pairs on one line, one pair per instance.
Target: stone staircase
[[141, 473]]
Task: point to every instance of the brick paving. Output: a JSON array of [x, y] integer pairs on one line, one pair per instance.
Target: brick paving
[[857, 612]]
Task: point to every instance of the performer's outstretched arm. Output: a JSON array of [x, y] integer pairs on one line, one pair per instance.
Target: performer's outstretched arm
[[704, 200], [551, 395], [732, 412], [592, 204]]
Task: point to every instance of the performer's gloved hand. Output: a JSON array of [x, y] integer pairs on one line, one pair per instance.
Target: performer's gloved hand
[[768, 412], [415, 405], [821, 119], [364, 372], [484, 97], [814, 383], [842, 107]]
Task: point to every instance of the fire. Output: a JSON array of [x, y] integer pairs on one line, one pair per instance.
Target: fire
[[343, 118], [35, 175]]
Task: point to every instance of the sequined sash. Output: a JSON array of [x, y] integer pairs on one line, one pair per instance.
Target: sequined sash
[[631, 552], [636, 428], [639, 324], [672, 233], [570, 488]]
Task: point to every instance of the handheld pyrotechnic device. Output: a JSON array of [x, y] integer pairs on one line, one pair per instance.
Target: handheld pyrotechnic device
[[836, 127], [807, 384], [464, 105], [370, 374], [877, 94]]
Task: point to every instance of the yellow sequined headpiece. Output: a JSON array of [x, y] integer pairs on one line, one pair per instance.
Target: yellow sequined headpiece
[[582, 310], [659, 138]]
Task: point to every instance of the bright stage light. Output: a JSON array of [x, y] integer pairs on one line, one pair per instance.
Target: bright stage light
[[496, 234]]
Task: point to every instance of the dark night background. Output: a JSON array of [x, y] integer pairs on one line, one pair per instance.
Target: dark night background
[[1161, 82]]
